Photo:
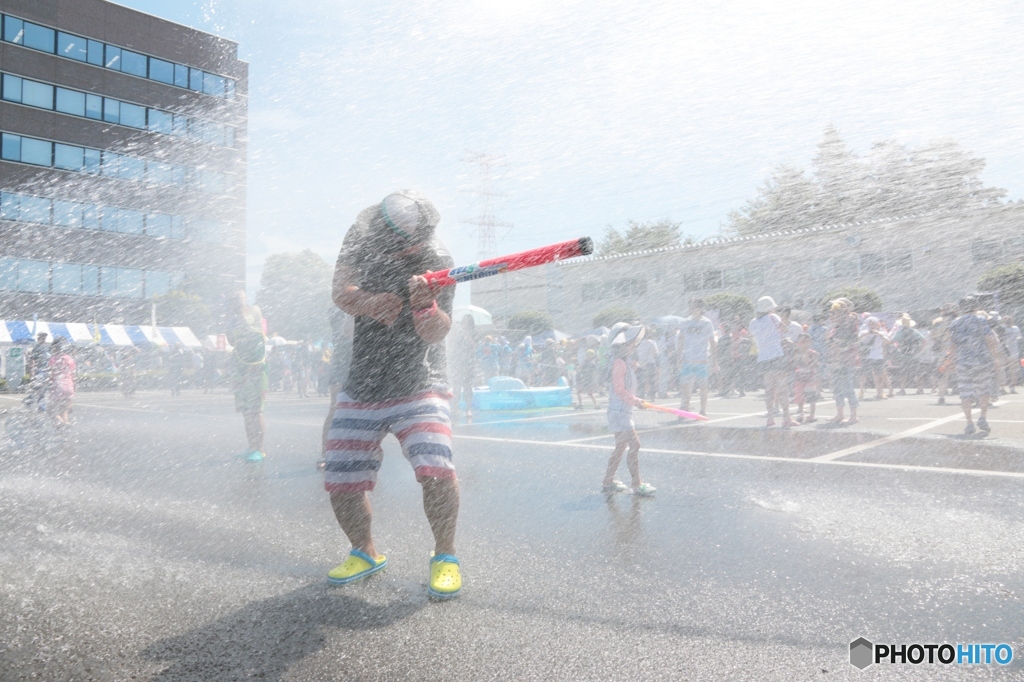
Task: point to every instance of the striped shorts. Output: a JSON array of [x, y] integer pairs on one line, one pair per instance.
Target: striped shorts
[[421, 422]]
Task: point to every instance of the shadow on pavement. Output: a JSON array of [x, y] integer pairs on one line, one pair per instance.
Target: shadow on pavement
[[264, 639]]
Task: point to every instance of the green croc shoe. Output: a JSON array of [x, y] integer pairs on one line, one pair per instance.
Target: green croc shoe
[[445, 579], [357, 566]]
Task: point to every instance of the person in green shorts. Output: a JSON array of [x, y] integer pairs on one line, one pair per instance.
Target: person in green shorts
[[249, 379]]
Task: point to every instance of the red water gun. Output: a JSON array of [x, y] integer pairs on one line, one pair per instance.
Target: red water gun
[[584, 246]]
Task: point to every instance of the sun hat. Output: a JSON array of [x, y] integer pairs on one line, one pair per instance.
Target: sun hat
[[616, 328], [409, 214], [629, 334], [403, 219], [765, 304]]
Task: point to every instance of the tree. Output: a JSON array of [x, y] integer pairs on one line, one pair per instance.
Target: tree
[[787, 200], [295, 295], [609, 316], [1008, 282], [893, 180], [530, 322], [640, 237], [864, 300], [181, 309], [839, 177], [730, 306]]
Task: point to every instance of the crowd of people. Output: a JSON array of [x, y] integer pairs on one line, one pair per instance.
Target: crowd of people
[[845, 352]]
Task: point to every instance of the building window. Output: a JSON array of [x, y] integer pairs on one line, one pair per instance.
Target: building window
[[68, 157], [67, 278], [34, 276], [72, 47], [612, 289], [133, 116], [36, 152], [161, 71], [76, 103], [899, 262], [94, 52], [845, 267], [37, 94], [40, 153], [94, 107], [71, 214], [133, 63], [712, 280], [10, 148], [985, 250], [39, 37], [70, 102], [113, 57], [12, 88], [872, 264], [14, 30]]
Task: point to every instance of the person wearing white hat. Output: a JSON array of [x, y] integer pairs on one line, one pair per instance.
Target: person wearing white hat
[[397, 382], [772, 363], [621, 401]]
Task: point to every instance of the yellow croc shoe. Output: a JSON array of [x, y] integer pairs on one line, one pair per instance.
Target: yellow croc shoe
[[357, 566], [445, 579]]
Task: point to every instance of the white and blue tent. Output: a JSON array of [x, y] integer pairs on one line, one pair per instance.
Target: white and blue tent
[[24, 331]]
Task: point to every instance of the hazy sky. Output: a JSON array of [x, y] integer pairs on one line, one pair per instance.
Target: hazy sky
[[602, 113]]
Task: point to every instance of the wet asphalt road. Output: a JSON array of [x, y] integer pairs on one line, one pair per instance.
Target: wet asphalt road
[[144, 549]]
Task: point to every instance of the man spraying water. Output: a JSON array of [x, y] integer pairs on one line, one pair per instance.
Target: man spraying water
[[396, 383]]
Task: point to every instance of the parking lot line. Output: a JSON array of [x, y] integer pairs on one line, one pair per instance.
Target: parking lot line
[[769, 458], [828, 457]]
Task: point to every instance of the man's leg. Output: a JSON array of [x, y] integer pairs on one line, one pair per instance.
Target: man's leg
[[355, 515], [255, 427], [441, 505], [966, 404], [704, 396], [685, 391]]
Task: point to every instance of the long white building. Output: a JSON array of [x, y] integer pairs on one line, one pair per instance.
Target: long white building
[[915, 263]]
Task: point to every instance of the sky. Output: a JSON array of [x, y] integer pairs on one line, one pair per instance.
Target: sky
[[600, 113]]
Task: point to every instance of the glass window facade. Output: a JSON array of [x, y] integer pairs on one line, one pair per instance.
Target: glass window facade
[[77, 103], [94, 52], [73, 214], [81, 279], [110, 164]]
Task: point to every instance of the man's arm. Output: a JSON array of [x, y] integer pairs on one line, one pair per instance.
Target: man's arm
[[347, 295], [431, 323]]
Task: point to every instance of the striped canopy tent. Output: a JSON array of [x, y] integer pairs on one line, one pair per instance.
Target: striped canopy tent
[[25, 331]]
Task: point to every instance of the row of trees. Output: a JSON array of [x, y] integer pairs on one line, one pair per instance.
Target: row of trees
[[892, 180]]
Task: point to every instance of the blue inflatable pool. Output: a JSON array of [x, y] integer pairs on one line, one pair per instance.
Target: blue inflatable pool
[[508, 393]]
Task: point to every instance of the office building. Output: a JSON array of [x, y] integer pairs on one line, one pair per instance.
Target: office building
[[122, 168]]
